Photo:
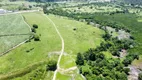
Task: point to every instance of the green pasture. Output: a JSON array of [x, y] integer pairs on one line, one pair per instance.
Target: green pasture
[[34, 51], [79, 40]]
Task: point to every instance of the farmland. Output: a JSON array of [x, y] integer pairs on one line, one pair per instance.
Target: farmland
[[11, 32]]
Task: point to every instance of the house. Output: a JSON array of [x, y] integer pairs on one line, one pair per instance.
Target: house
[[2, 11]]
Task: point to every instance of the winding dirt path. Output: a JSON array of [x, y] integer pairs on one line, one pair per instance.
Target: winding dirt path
[[62, 50]]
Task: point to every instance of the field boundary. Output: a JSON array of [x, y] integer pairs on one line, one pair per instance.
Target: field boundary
[[19, 43]]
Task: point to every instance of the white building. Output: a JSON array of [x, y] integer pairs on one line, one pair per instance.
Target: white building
[[2, 11]]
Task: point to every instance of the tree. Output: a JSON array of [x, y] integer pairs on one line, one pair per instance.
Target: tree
[[85, 70], [52, 65], [121, 76], [30, 6], [135, 56], [107, 36], [45, 9], [35, 26], [116, 62], [91, 77], [116, 53], [36, 37], [79, 60], [33, 30], [119, 67], [127, 70], [99, 78], [95, 70], [106, 72], [140, 76], [127, 61], [101, 55]]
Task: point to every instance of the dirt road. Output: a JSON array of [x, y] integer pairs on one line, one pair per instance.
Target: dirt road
[[62, 50]]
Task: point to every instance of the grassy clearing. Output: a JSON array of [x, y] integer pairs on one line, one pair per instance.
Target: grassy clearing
[[79, 40], [138, 63], [70, 75], [63, 77], [9, 26], [20, 58], [107, 54]]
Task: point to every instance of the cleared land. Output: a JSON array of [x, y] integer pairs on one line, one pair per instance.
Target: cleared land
[[11, 33]]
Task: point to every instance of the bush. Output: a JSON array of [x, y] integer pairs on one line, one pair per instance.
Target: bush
[[35, 26], [33, 30], [127, 70], [79, 60], [52, 65], [127, 61], [36, 38]]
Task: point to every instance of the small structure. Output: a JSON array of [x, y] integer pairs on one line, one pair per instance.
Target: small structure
[[2, 11]]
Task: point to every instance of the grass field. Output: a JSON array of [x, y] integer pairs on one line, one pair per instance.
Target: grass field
[[20, 58], [81, 39], [8, 26], [70, 75]]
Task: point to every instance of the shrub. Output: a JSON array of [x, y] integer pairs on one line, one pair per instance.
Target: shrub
[[33, 30], [127, 70], [79, 60], [52, 65], [36, 37], [35, 26]]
